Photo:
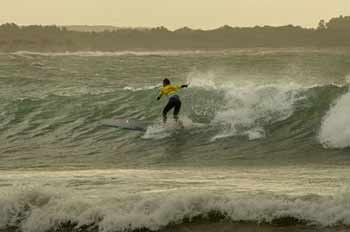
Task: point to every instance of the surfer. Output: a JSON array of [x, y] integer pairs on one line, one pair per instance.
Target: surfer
[[174, 100]]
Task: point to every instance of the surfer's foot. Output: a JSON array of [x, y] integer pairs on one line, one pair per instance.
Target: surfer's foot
[[181, 125]]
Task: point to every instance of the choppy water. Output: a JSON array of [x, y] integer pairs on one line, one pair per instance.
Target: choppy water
[[266, 140]]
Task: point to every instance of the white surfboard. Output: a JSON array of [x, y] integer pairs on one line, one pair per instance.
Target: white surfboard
[[127, 124], [139, 125]]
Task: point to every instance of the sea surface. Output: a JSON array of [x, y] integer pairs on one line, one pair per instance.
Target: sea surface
[[265, 145]]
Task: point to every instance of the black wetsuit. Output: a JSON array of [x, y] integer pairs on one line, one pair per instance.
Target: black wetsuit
[[174, 102]]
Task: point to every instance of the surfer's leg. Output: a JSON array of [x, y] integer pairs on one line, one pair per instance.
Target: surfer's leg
[[167, 108], [177, 109]]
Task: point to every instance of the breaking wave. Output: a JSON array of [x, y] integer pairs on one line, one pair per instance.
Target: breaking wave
[[41, 210], [265, 119]]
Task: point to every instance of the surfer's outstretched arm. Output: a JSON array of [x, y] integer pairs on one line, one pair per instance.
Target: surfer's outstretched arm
[[161, 93], [158, 98]]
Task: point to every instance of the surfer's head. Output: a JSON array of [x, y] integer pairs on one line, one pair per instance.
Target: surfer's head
[[166, 82]]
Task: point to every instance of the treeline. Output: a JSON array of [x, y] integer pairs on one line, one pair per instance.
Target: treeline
[[335, 32]]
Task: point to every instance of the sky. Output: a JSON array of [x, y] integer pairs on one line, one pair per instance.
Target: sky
[[173, 14]]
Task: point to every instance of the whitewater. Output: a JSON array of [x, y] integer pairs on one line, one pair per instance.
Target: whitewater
[[265, 147]]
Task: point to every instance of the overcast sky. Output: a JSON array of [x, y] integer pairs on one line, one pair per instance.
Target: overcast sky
[[172, 14]]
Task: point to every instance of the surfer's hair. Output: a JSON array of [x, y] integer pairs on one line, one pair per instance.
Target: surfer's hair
[[166, 81]]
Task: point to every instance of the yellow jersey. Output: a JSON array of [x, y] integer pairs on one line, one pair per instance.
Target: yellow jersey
[[169, 90]]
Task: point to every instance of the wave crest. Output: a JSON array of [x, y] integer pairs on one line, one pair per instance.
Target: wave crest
[[41, 210]]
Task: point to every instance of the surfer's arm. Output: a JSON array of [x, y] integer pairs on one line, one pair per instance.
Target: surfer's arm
[[160, 95], [184, 86]]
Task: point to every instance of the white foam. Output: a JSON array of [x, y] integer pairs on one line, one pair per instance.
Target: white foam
[[157, 131], [27, 54], [80, 91], [249, 108], [135, 89], [160, 131], [256, 133], [335, 128], [40, 210]]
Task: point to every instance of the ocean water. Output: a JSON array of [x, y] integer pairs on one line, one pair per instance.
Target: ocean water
[[266, 143]]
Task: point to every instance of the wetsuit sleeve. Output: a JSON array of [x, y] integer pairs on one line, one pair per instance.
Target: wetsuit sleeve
[[161, 93]]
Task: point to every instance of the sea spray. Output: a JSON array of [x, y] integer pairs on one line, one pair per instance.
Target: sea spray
[[247, 110], [335, 128]]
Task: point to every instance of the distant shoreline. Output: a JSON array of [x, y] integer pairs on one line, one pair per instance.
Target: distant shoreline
[[332, 34]]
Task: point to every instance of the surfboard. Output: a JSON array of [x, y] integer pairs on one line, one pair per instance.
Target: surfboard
[[127, 124], [139, 125]]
